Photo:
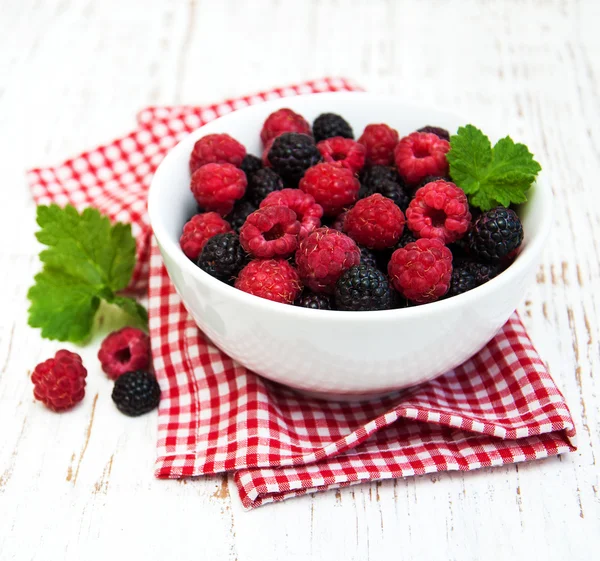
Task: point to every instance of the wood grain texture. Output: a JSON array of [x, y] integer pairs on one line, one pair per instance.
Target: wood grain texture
[[73, 74]]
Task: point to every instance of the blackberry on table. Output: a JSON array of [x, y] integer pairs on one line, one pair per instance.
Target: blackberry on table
[[328, 125], [263, 182], [223, 257], [240, 212], [250, 165], [495, 235], [136, 393], [314, 301], [292, 154], [363, 288]]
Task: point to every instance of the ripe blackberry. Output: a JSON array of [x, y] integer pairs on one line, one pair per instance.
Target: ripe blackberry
[[263, 182], [483, 272], [223, 257], [328, 125], [438, 131], [495, 235], [375, 173], [314, 301], [367, 257], [462, 280], [136, 393], [363, 288], [250, 165], [240, 212], [431, 178], [385, 181], [292, 154]]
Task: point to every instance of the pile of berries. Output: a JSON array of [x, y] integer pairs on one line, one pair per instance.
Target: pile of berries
[[327, 222]]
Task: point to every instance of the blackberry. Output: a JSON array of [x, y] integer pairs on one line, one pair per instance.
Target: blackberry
[[250, 165], [406, 238], [483, 272], [136, 393], [460, 248], [328, 125], [438, 131], [363, 288], [495, 235], [386, 182], [223, 257], [429, 178], [292, 154], [462, 280], [240, 212], [367, 257], [263, 182], [314, 301]]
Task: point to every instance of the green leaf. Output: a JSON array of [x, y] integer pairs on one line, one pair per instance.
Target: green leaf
[[62, 305], [501, 175], [87, 259]]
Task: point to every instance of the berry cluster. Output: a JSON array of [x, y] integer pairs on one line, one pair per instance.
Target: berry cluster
[[323, 221]]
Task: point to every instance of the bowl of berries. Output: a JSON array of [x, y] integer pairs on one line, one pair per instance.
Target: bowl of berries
[[339, 244]]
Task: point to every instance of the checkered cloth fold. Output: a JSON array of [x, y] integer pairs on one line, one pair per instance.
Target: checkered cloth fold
[[499, 407]]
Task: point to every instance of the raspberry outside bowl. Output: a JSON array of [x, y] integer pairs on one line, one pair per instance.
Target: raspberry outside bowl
[[337, 354]]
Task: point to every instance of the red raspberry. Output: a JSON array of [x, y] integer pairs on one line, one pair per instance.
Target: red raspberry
[[322, 258], [421, 270], [59, 382], [307, 211], [198, 230], [124, 351], [375, 222], [217, 187], [265, 155], [343, 152], [216, 149], [283, 120], [270, 231], [421, 154], [333, 187], [439, 210], [380, 141], [273, 279]]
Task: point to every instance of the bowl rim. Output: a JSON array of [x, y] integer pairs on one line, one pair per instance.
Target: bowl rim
[[534, 247]]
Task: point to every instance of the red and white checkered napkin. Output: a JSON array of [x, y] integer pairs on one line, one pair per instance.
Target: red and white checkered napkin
[[500, 407]]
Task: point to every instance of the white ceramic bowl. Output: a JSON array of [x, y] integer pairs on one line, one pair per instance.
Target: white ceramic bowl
[[333, 353]]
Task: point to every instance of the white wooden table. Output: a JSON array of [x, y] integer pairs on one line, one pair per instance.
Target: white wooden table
[[72, 74]]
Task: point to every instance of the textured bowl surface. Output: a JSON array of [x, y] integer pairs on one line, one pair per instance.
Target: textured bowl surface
[[332, 353]]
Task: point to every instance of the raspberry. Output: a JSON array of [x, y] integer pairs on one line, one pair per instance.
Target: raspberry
[[375, 222], [198, 230], [273, 279], [59, 382], [439, 210], [292, 154], [462, 280], [421, 271], [217, 187], [380, 141], [307, 211], [328, 125], [363, 288], [322, 258], [136, 393], [240, 212], [124, 351], [334, 188], [223, 257], [313, 301], [343, 152], [250, 165], [438, 131], [270, 231], [265, 155], [367, 257], [262, 183], [216, 149], [496, 235], [283, 120], [384, 256], [420, 154]]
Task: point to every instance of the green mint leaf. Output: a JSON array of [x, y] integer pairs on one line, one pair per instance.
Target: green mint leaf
[[62, 305], [501, 175], [87, 259]]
